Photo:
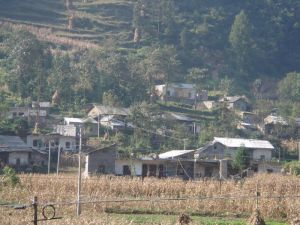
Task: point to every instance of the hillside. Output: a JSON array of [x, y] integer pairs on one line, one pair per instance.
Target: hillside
[[94, 21], [113, 52]]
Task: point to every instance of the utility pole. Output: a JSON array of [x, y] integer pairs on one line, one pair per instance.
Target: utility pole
[[98, 126], [58, 158], [79, 173], [49, 157]]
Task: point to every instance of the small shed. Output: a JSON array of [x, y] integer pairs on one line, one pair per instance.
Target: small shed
[[100, 161], [14, 152], [240, 103]]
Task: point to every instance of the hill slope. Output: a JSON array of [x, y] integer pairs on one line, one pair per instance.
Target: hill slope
[[94, 21]]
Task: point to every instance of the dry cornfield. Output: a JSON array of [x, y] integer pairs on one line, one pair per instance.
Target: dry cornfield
[[197, 197]]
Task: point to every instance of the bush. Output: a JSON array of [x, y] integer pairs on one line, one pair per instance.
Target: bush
[[9, 176], [293, 167]]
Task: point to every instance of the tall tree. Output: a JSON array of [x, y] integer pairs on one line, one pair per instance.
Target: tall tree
[[60, 78], [240, 40], [29, 62]]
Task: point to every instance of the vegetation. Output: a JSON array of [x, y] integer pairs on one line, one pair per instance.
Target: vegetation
[[9, 177], [113, 52], [241, 160], [63, 188]]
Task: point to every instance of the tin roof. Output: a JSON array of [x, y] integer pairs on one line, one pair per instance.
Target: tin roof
[[108, 110], [174, 153], [247, 143]]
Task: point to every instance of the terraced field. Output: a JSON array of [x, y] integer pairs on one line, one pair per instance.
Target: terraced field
[[93, 21]]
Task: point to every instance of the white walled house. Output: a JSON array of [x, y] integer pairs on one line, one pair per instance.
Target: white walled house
[[41, 142], [186, 93], [220, 148]]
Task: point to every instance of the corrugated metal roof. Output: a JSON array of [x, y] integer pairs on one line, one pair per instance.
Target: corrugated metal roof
[[181, 117], [108, 110], [247, 143], [174, 153], [178, 85], [13, 144], [79, 120]]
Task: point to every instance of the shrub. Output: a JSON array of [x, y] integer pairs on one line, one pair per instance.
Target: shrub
[[9, 176]]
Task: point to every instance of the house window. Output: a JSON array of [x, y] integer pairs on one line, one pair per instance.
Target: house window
[[68, 144], [21, 114], [168, 93], [126, 170], [35, 143], [262, 157]]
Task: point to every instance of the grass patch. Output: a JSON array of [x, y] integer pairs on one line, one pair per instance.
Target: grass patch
[[172, 219]]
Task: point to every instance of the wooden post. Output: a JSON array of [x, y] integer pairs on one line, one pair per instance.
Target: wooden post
[[257, 196], [35, 210], [49, 157], [98, 126]]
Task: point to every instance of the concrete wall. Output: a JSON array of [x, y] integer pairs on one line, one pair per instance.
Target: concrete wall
[[267, 153], [62, 142], [103, 158], [22, 156], [135, 165]]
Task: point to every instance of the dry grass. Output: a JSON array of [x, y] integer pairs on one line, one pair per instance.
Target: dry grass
[[63, 189]]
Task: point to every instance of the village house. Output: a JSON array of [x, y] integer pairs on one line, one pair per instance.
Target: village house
[[98, 111], [174, 163], [109, 116], [240, 103], [272, 122], [14, 152], [207, 105], [113, 123], [55, 140], [42, 106], [226, 148], [100, 161], [192, 124], [186, 93], [28, 114], [89, 125]]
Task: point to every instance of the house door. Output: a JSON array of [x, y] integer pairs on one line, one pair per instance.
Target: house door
[[126, 170], [161, 171], [144, 170], [3, 158], [208, 171], [152, 170], [18, 162]]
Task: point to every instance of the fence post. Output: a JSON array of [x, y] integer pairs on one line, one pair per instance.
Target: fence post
[[35, 210]]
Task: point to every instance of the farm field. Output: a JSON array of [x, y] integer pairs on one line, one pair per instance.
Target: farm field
[[125, 200]]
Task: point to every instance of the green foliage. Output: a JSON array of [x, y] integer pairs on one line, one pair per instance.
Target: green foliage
[[289, 87], [293, 167], [240, 39], [9, 176], [17, 126], [241, 159]]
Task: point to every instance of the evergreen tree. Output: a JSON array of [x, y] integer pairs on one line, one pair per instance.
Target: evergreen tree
[[240, 40]]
